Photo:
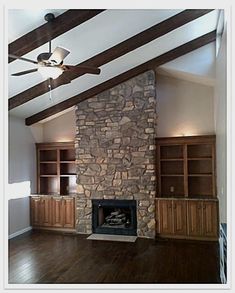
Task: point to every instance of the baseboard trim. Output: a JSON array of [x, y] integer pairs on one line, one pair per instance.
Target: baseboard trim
[[20, 232]]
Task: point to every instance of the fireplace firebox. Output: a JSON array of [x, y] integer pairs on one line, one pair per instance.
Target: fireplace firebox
[[116, 217]]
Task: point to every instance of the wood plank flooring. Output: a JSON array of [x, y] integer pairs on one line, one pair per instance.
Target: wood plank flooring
[[49, 258]]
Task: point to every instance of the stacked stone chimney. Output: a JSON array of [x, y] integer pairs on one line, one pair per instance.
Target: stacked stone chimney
[[115, 150]]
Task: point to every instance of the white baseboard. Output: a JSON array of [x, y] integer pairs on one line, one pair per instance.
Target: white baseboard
[[20, 232]]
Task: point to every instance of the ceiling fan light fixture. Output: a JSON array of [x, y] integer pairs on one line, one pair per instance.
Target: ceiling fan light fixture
[[50, 72]]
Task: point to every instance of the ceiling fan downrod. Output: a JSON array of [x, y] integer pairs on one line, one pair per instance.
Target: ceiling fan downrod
[[49, 17], [50, 46]]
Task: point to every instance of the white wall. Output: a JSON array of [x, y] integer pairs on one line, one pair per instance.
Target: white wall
[[184, 108], [18, 216], [22, 172], [62, 128], [220, 126], [22, 153], [196, 66]]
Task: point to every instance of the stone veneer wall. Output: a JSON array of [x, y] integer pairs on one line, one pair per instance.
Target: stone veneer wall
[[115, 150]]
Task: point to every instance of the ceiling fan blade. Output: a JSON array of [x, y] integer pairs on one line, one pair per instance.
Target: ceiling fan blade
[[58, 55], [24, 72], [82, 69], [22, 58]]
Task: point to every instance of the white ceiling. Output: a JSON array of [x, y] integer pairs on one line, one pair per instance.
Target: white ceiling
[[22, 21], [96, 35]]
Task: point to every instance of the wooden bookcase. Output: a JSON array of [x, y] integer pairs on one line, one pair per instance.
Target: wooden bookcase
[[186, 166], [186, 204], [56, 168]]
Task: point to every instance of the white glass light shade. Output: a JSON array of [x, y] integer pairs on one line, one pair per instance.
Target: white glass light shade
[[50, 72]]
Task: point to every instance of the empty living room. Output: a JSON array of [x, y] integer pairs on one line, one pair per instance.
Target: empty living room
[[118, 148]]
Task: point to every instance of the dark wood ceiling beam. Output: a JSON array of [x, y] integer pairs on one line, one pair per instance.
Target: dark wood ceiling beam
[[153, 63], [48, 31], [116, 51]]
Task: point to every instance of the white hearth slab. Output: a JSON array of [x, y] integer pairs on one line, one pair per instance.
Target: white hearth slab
[[108, 237]]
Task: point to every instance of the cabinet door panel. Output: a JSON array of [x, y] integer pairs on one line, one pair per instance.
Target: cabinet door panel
[[210, 221], [194, 216], [179, 218], [165, 217], [68, 207], [35, 211], [57, 212], [45, 212]]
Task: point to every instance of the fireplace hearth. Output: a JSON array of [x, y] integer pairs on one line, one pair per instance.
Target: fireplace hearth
[[117, 217]]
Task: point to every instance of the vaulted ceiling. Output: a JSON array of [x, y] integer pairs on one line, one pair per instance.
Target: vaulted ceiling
[[122, 43]]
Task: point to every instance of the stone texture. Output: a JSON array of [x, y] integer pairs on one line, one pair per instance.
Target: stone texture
[[115, 150]]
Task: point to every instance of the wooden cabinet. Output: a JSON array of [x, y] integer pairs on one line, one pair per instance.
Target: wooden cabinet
[[57, 212], [186, 166], [187, 219], [203, 218], [179, 217], [171, 215], [210, 219], [194, 214], [186, 206], [165, 223], [56, 168], [68, 212], [53, 212], [45, 211], [63, 212], [35, 211]]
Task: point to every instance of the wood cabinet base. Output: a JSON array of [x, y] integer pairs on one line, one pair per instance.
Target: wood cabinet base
[[187, 219], [53, 212]]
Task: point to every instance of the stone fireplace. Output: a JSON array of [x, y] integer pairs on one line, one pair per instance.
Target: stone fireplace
[[115, 151]]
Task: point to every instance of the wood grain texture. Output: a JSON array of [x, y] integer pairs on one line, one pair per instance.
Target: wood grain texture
[[112, 53], [49, 163], [191, 156], [47, 258], [187, 219], [48, 31], [152, 64]]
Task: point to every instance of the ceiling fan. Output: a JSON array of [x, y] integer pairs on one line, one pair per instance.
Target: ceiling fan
[[50, 64]]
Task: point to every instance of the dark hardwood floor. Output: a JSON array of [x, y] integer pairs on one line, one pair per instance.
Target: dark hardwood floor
[[43, 257]]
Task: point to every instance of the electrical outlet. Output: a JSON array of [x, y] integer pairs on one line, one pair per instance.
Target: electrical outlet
[[172, 189]]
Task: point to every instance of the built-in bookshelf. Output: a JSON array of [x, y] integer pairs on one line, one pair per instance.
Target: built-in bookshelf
[[186, 166], [56, 168]]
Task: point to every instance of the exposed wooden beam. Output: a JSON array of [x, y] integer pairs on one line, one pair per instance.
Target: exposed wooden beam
[[116, 51], [151, 64], [48, 31]]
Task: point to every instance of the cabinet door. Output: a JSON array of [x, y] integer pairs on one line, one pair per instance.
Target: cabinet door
[[45, 212], [35, 211], [194, 217], [210, 219], [57, 212], [165, 217], [179, 217], [68, 212]]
